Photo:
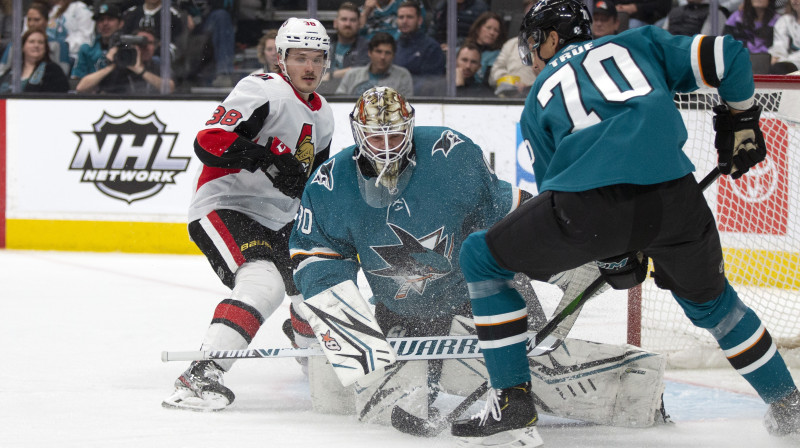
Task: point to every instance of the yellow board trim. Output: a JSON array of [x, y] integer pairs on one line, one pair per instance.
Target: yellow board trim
[[99, 236]]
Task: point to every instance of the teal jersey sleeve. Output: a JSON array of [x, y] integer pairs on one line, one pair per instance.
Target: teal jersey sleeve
[[602, 112], [324, 258], [408, 250]]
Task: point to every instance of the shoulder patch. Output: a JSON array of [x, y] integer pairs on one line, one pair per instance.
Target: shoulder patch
[[446, 142], [324, 175]]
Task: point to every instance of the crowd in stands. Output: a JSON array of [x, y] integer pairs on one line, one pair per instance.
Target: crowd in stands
[[114, 46]]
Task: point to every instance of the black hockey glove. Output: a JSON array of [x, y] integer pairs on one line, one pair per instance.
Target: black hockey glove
[[287, 173], [739, 141]]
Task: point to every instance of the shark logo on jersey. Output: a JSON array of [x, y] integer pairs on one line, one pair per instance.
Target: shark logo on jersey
[[324, 175], [446, 142], [128, 157], [414, 262]]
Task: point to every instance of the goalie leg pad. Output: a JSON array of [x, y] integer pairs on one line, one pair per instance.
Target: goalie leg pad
[[404, 384], [348, 333], [328, 396], [617, 385]]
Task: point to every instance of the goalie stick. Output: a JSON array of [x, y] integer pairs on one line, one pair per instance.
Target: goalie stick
[[415, 426]]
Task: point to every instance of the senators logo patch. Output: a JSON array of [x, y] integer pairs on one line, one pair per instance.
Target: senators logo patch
[[305, 148], [446, 142], [128, 157], [324, 175]]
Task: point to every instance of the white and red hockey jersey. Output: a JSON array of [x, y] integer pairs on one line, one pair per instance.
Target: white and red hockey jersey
[[231, 147]]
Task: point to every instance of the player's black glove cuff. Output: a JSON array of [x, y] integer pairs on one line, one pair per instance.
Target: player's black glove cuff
[[287, 173], [739, 140]]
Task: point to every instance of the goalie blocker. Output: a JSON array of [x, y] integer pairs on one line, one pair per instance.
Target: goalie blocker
[[618, 385]]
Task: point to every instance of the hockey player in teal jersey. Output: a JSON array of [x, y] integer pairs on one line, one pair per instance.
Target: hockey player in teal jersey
[[397, 205], [401, 213], [615, 186]]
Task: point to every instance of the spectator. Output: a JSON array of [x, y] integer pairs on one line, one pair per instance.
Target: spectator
[[693, 18], [218, 24], [605, 20], [108, 21], [416, 51], [643, 12], [468, 63], [267, 53], [36, 19], [250, 23], [121, 76], [70, 23], [785, 49], [379, 72], [489, 33], [381, 16], [510, 77], [349, 48], [39, 73], [147, 15], [753, 24], [5, 21], [466, 13]]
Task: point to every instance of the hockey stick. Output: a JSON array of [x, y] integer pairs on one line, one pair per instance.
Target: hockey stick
[[551, 335], [415, 426], [407, 349]]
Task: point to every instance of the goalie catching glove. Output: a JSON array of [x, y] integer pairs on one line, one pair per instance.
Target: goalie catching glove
[[739, 141], [287, 173]]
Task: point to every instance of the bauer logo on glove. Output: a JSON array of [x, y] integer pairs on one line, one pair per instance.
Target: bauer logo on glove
[[739, 140]]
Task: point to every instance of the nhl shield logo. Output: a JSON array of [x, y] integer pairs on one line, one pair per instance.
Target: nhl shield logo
[[128, 157]]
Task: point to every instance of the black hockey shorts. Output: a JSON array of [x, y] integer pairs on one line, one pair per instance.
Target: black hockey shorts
[[670, 222], [229, 239]]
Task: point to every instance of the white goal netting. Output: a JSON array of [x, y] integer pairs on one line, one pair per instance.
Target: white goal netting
[[759, 224]]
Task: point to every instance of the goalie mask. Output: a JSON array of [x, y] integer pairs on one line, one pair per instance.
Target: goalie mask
[[305, 34], [569, 18], [383, 128]]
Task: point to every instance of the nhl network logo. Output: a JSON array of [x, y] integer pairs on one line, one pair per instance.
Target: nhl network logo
[[128, 157]]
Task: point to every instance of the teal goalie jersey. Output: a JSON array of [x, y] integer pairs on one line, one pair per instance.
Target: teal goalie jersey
[[601, 112], [409, 250]]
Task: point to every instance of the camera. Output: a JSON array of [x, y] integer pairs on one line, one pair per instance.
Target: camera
[[126, 48]]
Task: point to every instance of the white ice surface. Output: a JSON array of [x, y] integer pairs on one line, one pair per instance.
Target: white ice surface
[[81, 338]]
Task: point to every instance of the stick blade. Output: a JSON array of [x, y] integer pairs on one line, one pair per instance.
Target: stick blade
[[415, 426], [548, 344]]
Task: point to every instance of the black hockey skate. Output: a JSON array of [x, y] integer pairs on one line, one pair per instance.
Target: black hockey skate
[[783, 416], [200, 388], [509, 419]]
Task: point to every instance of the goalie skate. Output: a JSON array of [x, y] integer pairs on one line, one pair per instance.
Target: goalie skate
[[783, 416], [508, 420], [200, 388]]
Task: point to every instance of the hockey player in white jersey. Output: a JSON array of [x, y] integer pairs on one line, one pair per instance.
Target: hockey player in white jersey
[[258, 149]]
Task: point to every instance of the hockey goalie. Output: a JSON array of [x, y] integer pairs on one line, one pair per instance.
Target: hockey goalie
[[397, 205]]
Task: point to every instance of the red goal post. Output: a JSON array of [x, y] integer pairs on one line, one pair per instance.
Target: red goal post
[[759, 222]]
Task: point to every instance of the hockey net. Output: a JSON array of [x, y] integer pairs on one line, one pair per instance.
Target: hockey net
[[759, 224]]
